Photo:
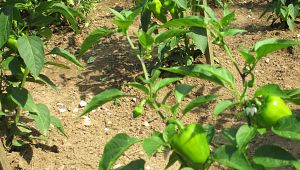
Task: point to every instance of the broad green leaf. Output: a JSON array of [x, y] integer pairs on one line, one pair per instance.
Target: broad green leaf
[[31, 50], [288, 127], [210, 132], [294, 95], [271, 90], [230, 135], [250, 59], [226, 20], [40, 20], [152, 144], [199, 37], [139, 86], [65, 11], [93, 38], [232, 32], [134, 165], [42, 118], [210, 12], [181, 3], [57, 64], [264, 47], [222, 106], [197, 102], [114, 149], [23, 98], [163, 36], [296, 164], [169, 132], [5, 27], [102, 98], [230, 157], [65, 54], [244, 135], [165, 82], [293, 11], [172, 160], [57, 124], [189, 21], [212, 73], [271, 156], [43, 78], [181, 90], [146, 40]]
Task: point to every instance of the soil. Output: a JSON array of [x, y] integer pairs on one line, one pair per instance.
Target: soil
[[113, 66]]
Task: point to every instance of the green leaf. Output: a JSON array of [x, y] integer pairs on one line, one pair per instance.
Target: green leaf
[[288, 127], [23, 98], [181, 3], [226, 20], [139, 86], [102, 98], [5, 28], [210, 132], [169, 132], [197, 102], [152, 144], [271, 90], [93, 38], [199, 37], [294, 95], [212, 73], [244, 136], [271, 156], [66, 12], [173, 32], [42, 118], [134, 165], [165, 82], [231, 157], [114, 149], [181, 90], [43, 78], [172, 160], [250, 59], [57, 64], [31, 50], [264, 47], [232, 32], [65, 54], [230, 135], [222, 106], [293, 11], [57, 124], [189, 21], [146, 40], [296, 164]]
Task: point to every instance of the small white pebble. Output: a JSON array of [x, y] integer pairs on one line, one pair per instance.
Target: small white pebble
[[82, 103], [94, 110], [59, 104], [146, 124], [75, 110], [106, 130], [147, 167], [267, 60], [62, 110], [134, 100], [87, 121]]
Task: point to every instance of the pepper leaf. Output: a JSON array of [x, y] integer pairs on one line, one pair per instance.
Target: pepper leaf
[[244, 135], [102, 98], [222, 106], [138, 164], [231, 157], [114, 149], [288, 127], [152, 144], [181, 91], [197, 102], [271, 90], [264, 47], [271, 156]]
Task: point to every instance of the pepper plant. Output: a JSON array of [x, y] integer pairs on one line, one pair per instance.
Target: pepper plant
[[192, 144], [22, 58]]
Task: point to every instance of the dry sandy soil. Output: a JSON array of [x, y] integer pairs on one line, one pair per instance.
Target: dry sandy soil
[[114, 65]]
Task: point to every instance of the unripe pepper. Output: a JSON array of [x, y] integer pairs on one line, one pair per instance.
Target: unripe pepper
[[272, 109], [156, 7], [12, 43], [139, 109], [191, 144]]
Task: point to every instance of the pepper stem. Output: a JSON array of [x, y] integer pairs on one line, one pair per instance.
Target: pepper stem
[[177, 123]]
